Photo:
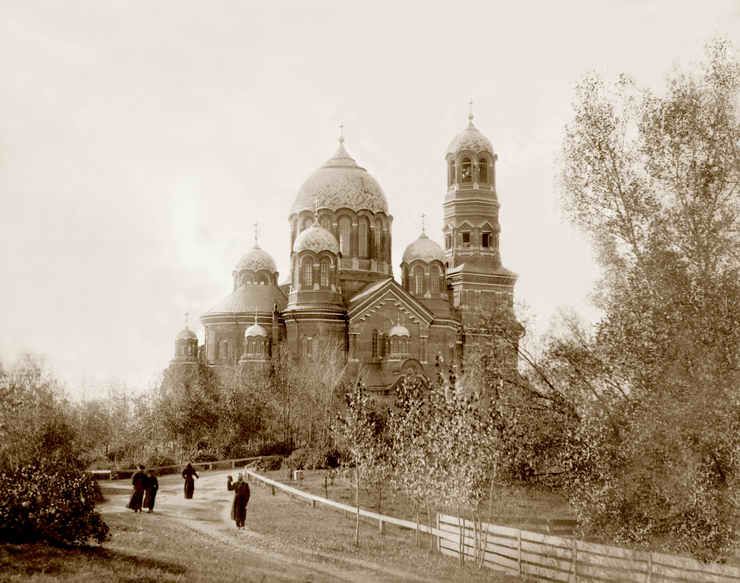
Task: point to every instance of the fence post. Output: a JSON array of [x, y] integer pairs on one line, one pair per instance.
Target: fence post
[[519, 553], [439, 540], [381, 528], [650, 567], [273, 490], [574, 556]]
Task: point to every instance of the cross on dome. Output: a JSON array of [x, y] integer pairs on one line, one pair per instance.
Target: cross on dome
[[341, 133], [423, 224], [470, 112], [256, 227], [187, 315]]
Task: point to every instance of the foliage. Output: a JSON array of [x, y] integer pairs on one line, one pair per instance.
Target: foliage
[[46, 495], [653, 180], [49, 502]]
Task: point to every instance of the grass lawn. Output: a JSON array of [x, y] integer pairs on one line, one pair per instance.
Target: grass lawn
[[512, 505], [194, 540]]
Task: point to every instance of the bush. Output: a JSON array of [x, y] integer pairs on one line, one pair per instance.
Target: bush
[[313, 458], [51, 503], [205, 456], [268, 464], [156, 460]]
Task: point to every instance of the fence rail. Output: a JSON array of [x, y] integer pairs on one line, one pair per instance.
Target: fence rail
[[114, 474], [314, 499], [553, 558]]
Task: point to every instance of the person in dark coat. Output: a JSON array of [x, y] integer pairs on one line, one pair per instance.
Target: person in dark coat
[[241, 498], [150, 491], [138, 480], [188, 474]]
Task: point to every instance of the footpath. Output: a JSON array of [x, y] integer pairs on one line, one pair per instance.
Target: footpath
[[286, 540]]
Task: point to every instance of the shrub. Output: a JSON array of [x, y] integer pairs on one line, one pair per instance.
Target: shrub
[[47, 502], [297, 459], [205, 456], [156, 460], [268, 464], [317, 458]]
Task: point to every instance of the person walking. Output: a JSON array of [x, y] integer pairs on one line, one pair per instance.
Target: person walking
[[150, 491], [241, 498], [188, 474], [138, 481]]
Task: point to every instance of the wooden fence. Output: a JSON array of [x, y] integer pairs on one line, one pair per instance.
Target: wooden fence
[[382, 519], [116, 474], [551, 558]]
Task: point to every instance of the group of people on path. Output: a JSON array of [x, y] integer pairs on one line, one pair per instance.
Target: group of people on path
[[146, 485], [145, 490]]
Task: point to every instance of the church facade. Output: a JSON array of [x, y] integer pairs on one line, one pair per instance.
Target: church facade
[[340, 293]]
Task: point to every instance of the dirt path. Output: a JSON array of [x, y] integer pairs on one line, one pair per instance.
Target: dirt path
[[265, 554]]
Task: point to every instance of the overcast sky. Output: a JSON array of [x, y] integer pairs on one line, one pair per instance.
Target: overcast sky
[[139, 141]]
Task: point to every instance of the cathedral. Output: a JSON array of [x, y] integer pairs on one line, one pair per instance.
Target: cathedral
[[341, 293]]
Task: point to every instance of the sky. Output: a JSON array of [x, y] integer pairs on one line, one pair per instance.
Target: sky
[[140, 141]]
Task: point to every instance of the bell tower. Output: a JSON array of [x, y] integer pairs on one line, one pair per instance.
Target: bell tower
[[475, 277]]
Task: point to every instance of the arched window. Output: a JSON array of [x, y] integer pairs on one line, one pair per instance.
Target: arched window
[[466, 170], [307, 272], [296, 272], [325, 222], [324, 273], [345, 233], [381, 344], [379, 238], [483, 171], [419, 280], [435, 278], [223, 350], [375, 344], [451, 173], [363, 235], [306, 222], [394, 345]]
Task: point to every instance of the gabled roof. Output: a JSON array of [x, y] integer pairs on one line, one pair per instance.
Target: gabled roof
[[367, 299]]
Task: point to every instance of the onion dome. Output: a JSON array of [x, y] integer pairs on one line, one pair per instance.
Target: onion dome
[[317, 239], [340, 183], [399, 330], [256, 260], [423, 249], [470, 139], [186, 334], [255, 330], [246, 298]]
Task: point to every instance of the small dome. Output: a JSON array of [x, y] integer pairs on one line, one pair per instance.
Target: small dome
[[399, 330], [256, 260], [340, 183], [470, 139], [255, 330], [317, 239], [423, 249], [186, 334]]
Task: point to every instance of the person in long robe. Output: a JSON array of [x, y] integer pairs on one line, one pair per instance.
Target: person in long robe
[[150, 491], [138, 481], [241, 498], [188, 474]]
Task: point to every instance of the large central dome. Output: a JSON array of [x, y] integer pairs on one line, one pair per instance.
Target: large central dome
[[340, 183]]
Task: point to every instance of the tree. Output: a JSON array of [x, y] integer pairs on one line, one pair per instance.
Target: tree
[[356, 430], [653, 180]]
